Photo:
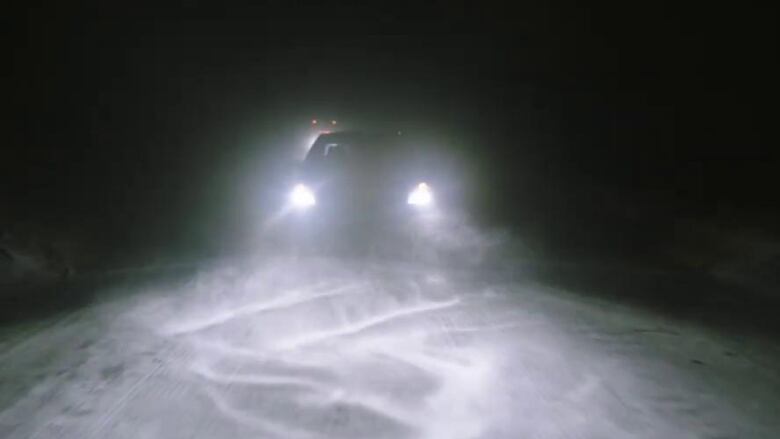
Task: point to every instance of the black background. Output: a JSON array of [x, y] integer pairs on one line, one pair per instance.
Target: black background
[[128, 124]]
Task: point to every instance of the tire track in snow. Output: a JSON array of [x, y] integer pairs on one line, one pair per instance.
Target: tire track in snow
[[120, 403]]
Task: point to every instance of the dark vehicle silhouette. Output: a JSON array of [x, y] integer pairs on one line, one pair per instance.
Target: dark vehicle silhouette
[[361, 190]]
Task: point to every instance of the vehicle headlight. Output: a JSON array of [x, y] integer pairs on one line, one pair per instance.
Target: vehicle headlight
[[421, 196], [302, 197]]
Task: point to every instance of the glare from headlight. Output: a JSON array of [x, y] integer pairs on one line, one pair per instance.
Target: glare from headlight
[[302, 197], [420, 196]]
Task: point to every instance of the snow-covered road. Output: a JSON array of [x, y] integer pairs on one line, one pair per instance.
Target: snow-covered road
[[323, 348]]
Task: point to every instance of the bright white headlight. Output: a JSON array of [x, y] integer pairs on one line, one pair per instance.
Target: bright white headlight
[[302, 197], [421, 195]]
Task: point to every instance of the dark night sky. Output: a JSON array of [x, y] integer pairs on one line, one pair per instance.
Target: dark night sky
[[116, 112]]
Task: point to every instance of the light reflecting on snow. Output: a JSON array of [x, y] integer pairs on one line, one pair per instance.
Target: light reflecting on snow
[[378, 351], [284, 349]]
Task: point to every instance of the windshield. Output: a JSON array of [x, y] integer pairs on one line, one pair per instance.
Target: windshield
[[353, 148]]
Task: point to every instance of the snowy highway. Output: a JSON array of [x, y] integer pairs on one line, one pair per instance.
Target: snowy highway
[[283, 348]]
